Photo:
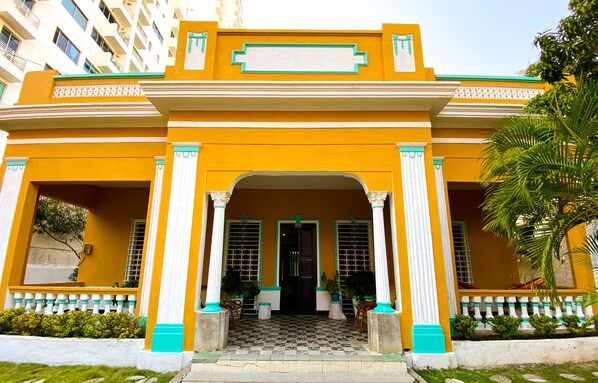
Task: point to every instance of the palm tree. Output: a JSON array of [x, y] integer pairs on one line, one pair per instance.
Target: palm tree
[[541, 178]]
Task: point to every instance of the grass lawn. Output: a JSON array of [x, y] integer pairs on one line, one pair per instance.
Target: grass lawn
[[548, 372], [15, 373]]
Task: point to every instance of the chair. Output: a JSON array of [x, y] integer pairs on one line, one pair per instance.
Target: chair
[[361, 317], [235, 308]]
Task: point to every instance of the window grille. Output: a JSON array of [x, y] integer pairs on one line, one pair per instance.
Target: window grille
[[354, 248], [135, 250], [462, 253], [243, 247]]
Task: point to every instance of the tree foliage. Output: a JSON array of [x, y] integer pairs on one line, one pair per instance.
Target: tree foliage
[[60, 221], [540, 172]]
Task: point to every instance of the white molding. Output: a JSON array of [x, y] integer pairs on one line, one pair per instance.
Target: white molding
[[299, 125], [300, 95], [376, 199], [466, 115], [395, 252], [497, 92], [450, 140], [85, 140], [411, 144], [81, 115]]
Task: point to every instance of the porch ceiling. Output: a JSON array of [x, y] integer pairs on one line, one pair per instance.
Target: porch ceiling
[[298, 182]]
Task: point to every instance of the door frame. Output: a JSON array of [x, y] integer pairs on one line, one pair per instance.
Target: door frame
[[318, 248]]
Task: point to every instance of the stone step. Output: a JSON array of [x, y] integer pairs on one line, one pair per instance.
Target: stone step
[[298, 377]]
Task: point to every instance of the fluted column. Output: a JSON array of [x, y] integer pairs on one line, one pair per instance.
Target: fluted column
[[382, 288], [427, 332], [215, 271], [9, 195], [447, 255], [591, 229], [150, 249], [168, 332]]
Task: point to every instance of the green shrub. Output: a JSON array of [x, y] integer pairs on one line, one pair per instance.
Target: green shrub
[[67, 325], [113, 325], [6, 318], [544, 326], [505, 326], [465, 326], [27, 324], [574, 326]]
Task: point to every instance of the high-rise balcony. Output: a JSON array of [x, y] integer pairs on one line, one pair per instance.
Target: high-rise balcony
[[140, 40], [180, 9], [145, 17], [19, 17], [116, 37], [122, 11], [136, 62], [105, 62], [175, 25], [12, 66]]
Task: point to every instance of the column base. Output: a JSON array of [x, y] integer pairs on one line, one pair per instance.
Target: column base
[[163, 361], [435, 361], [428, 339], [384, 332], [167, 337], [211, 330]]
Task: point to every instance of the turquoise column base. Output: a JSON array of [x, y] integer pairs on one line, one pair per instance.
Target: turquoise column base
[[453, 330], [428, 339], [383, 307], [167, 338], [212, 307]]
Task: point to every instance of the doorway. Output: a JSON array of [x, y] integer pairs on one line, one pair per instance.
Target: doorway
[[298, 268]]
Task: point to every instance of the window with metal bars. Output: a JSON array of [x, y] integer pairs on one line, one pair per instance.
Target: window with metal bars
[[354, 246], [135, 250], [462, 253], [243, 247]]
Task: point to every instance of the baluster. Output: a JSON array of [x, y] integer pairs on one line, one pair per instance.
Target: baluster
[[107, 303], [96, 298], [547, 310], [29, 301], [579, 309], [568, 304], [120, 300], [500, 305], [590, 314], [18, 300], [73, 298], [84, 301], [39, 302], [523, 301], [50, 298], [132, 303], [535, 308], [511, 302], [61, 303], [558, 311], [477, 315], [488, 302], [464, 306]]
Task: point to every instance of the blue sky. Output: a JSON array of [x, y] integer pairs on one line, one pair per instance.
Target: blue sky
[[481, 37]]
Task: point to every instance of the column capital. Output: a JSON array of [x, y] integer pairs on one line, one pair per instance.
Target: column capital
[[438, 162], [377, 199], [159, 161], [186, 149], [220, 198], [16, 163], [411, 146]]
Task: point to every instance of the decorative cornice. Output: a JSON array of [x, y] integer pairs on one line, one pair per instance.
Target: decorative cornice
[[455, 140], [464, 115], [97, 90], [300, 95], [496, 93], [85, 140], [220, 199], [301, 125], [377, 199], [81, 115]]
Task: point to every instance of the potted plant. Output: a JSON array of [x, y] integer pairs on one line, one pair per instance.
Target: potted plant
[[232, 285], [362, 285], [333, 286]]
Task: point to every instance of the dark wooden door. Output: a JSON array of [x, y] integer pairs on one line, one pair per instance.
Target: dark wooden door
[[298, 273]]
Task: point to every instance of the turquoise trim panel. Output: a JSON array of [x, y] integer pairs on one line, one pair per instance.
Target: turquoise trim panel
[[270, 288], [160, 162], [186, 149], [411, 149], [319, 288], [16, 163], [428, 339], [265, 304], [487, 78], [383, 307], [212, 307], [437, 162], [167, 338], [108, 75], [454, 332], [299, 45]]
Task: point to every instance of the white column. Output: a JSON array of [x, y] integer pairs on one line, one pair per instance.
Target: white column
[[215, 271], [178, 235], [150, 249], [447, 255], [9, 195], [424, 300], [591, 230], [382, 287]]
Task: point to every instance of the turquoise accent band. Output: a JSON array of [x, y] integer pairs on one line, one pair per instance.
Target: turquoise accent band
[[487, 78], [167, 338], [428, 339], [454, 332], [212, 307], [437, 162], [411, 149], [320, 288], [383, 307], [16, 163], [159, 162], [335, 302], [270, 288], [265, 304], [109, 75], [186, 149]]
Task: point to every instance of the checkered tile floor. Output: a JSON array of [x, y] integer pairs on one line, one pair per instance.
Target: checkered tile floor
[[296, 335]]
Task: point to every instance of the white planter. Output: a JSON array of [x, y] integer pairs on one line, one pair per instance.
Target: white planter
[[70, 351], [490, 353]]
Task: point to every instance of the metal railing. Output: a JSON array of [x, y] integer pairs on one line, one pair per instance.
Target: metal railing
[[115, 62], [137, 56], [12, 56], [141, 33], [27, 12], [123, 35]]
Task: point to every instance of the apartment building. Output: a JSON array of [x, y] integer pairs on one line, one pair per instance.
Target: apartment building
[[96, 36]]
